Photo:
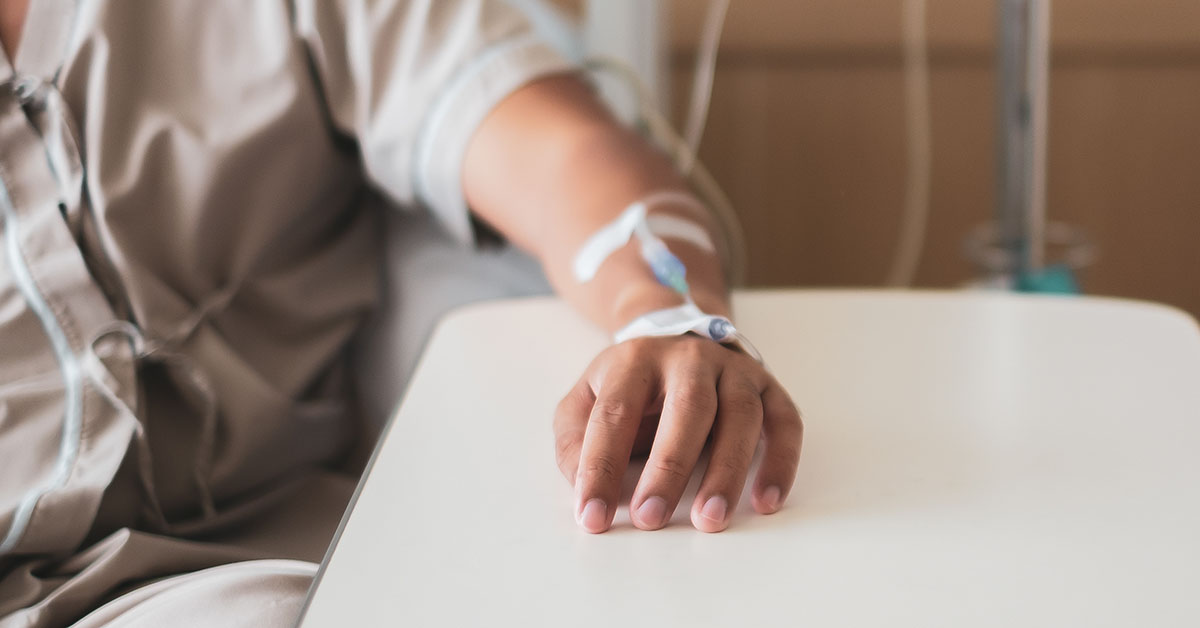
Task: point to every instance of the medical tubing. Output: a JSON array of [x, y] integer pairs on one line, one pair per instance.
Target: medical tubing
[[668, 269], [914, 223], [635, 221], [687, 319], [702, 81], [660, 131], [551, 24]]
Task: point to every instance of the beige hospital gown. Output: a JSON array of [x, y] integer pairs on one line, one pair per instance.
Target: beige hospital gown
[[189, 237]]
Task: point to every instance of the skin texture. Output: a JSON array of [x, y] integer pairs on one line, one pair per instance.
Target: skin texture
[[547, 169], [12, 18]]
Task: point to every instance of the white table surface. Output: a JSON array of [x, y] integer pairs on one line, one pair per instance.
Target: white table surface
[[970, 460]]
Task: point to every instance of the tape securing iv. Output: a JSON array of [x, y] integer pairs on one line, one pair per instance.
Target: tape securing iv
[[685, 319], [649, 230], [667, 269]]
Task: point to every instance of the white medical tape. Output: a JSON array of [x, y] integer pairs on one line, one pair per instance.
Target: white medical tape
[[670, 227], [616, 234], [684, 319], [607, 241]]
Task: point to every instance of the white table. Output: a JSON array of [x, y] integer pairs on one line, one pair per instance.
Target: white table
[[970, 460]]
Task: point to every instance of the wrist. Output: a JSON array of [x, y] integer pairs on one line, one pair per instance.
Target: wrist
[[688, 318], [645, 297]]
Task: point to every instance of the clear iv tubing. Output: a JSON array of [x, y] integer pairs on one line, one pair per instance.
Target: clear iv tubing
[[914, 223], [915, 220], [668, 269], [683, 152], [702, 82], [661, 131]]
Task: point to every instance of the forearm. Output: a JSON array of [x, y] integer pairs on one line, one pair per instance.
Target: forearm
[[549, 167]]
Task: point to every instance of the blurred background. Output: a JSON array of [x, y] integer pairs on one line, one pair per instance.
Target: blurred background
[[806, 133]]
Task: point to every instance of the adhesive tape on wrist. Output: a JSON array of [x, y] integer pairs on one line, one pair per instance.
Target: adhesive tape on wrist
[[610, 238], [687, 318]]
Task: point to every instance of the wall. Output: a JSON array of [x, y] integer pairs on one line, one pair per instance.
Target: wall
[[806, 134]]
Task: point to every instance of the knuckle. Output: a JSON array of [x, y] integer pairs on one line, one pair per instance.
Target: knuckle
[[740, 382], [612, 413], [788, 434], [673, 470], [793, 411], [730, 467], [789, 450], [573, 401], [565, 446], [636, 350], [798, 424], [601, 469], [783, 410], [785, 399], [745, 362], [741, 404], [735, 456], [694, 399], [694, 349], [743, 450], [693, 373], [789, 426]]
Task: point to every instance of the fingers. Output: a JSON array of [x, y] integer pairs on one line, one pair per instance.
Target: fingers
[[570, 424], [734, 438], [730, 404], [611, 429], [687, 417], [783, 431]]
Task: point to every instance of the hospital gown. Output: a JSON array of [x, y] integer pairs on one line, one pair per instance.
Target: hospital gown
[[192, 197]]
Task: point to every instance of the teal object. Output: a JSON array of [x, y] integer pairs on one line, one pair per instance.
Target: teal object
[[1054, 279]]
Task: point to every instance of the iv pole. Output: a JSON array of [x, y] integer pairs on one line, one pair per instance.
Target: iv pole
[[1013, 248], [1021, 107]]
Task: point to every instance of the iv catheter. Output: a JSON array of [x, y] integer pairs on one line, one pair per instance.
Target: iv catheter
[[667, 268], [649, 230]]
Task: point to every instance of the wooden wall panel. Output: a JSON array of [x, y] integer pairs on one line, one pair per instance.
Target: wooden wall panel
[[789, 25], [807, 136], [1125, 164]]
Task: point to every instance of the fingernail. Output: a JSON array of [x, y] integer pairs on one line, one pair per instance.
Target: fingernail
[[715, 509], [653, 512], [770, 498], [594, 516]]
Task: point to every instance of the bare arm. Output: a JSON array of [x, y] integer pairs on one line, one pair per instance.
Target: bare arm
[[548, 168]]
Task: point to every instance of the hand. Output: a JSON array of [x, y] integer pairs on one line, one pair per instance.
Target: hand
[[699, 388]]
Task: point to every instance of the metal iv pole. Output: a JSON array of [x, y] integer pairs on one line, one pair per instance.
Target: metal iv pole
[[1021, 107], [1013, 250]]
